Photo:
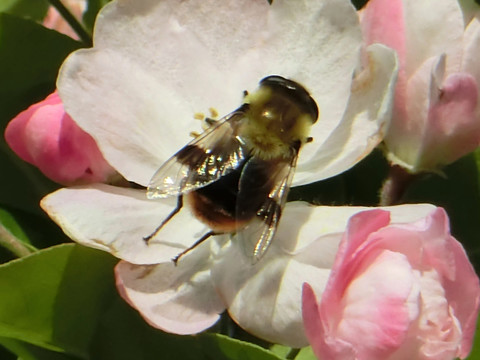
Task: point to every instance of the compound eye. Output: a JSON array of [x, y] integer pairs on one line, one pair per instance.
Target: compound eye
[[275, 80]]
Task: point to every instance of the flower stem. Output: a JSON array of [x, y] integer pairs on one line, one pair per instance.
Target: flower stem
[[12, 243], [395, 186], [73, 22], [292, 354]]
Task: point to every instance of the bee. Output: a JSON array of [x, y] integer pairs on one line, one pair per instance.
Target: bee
[[235, 176]]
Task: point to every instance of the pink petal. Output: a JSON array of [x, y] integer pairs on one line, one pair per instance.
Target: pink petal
[[14, 134], [372, 308], [383, 22], [45, 136], [453, 126], [408, 289], [358, 230], [314, 327], [459, 279], [467, 299], [375, 307]]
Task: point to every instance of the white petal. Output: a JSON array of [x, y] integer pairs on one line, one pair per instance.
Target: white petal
[[471, 43], [364, 123], [154, 65], [433, 27], [265, 299], [405, 148], [116, 219], [178, 299], [316, 43]]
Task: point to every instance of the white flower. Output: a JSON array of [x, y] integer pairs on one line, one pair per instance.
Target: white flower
[[157, 63]]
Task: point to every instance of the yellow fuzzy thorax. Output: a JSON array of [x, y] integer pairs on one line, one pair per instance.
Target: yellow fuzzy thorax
[[275, 125]]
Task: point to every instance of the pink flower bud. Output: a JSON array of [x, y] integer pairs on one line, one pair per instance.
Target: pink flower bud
[[396, 291], [47, 137], [436, 116]]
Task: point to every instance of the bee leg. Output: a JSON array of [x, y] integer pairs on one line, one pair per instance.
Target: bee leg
[[167, 219], [198, 242], [210, 121]]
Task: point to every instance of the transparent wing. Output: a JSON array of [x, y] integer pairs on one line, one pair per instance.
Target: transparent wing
[[202, 161], [263, 190]]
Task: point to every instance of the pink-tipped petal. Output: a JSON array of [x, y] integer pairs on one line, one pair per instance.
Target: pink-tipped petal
[[460, 282], [433, 45], [396, 291], [383, 22]]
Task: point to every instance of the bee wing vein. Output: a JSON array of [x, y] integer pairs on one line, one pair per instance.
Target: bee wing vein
[[202, 161]]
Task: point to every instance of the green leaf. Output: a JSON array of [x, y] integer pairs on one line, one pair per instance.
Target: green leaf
[[27, 351], [34, 9], [13, 241], [218, 346], [124, 335], [306, 354], [93, 7], [9, 222], [54, 298], [63, 299], [23, 185], [280, 350], [36, 231], [5, 354], [475, 354], [30, 56]]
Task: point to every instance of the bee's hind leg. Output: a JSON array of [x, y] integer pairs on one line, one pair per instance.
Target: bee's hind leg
[[167, 219], [195, 244]]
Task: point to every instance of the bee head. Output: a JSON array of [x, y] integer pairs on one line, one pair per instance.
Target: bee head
[[294, 91]]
